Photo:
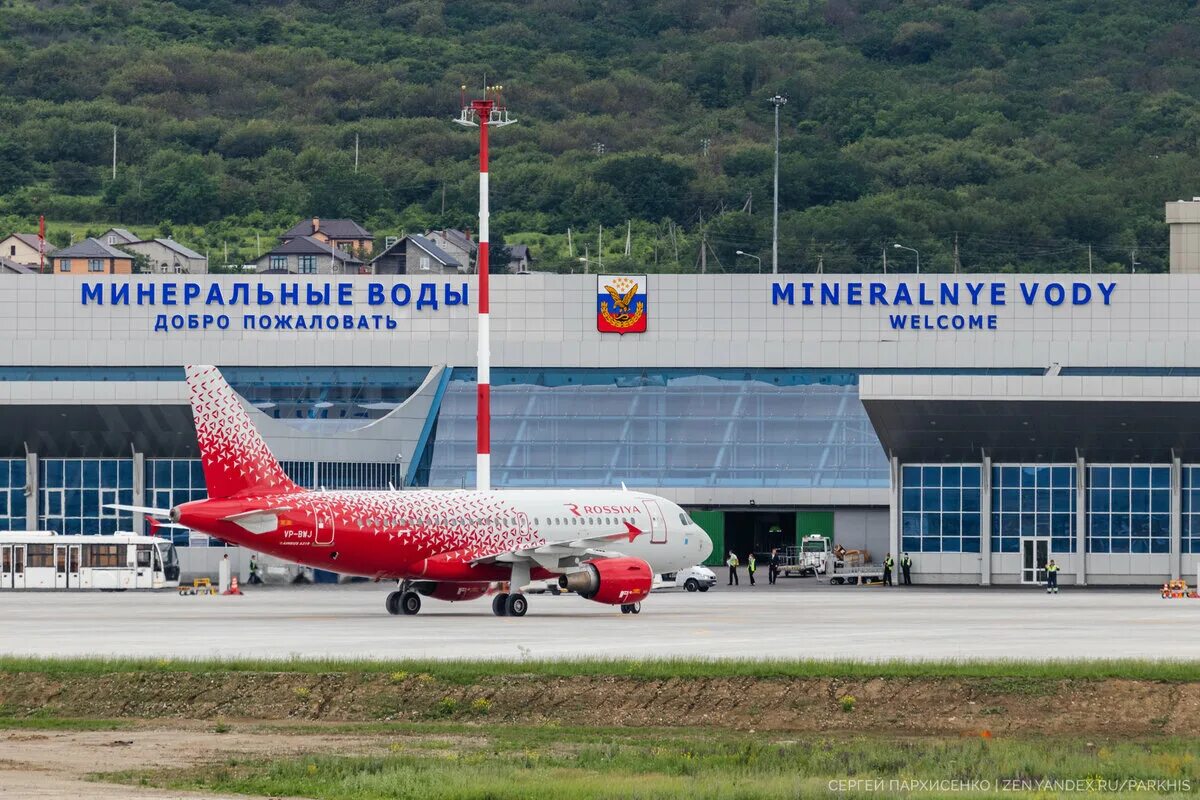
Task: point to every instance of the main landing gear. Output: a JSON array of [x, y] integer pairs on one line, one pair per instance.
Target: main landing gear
[[403, 601], [509, 605], [631, 608]]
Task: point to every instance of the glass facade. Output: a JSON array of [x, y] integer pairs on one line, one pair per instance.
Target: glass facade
[[75, 491], [939, 506], [1190, 537], [1033, 500], [1129, 509], [601, 427], [12, 494]]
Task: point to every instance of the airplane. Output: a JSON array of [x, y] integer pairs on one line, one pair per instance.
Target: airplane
[[604, 544]]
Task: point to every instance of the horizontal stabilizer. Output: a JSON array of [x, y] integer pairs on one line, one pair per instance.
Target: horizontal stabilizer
[[154, 512]]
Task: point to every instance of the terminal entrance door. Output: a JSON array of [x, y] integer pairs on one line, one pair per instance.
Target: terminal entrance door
[[1034, 555]]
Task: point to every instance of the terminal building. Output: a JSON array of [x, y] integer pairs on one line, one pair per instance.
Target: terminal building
[[981, 423]]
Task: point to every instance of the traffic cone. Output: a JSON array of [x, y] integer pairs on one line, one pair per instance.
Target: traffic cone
[[233, 586]]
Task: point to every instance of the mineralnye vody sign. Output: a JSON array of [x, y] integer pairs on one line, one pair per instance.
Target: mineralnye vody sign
[[959, 304]]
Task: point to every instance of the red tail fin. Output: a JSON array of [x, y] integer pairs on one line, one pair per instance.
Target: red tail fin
[[235, 457]]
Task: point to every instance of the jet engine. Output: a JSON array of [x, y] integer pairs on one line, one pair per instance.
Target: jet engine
[[616, 581], [451, 592]]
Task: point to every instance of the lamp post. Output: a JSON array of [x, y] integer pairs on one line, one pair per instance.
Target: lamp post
[[913, 249], [777, 101], [749, 255]]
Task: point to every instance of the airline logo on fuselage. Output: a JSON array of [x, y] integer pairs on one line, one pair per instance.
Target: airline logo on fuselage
[[581, 511]]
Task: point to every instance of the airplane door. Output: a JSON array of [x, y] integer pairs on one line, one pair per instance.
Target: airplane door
[[658, 523], [324, 532], [6, 566], [60, 566]]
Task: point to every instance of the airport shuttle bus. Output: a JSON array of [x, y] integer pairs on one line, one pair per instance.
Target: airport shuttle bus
[[46, 560]]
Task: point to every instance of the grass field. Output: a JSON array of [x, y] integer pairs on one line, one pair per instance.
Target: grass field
[[466, 672], [564, 763]]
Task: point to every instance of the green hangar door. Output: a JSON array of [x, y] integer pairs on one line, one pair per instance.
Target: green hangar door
[[814, 523]]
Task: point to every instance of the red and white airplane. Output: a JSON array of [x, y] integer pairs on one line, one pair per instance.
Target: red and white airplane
[[605, 545]]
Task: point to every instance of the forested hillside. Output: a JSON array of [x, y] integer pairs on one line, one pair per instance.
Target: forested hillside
[[1029, 130]]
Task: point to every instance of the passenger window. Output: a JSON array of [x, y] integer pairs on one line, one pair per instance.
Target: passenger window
[[143, 556]]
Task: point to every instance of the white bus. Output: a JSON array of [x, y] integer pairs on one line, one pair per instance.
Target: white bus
[[46, 560]]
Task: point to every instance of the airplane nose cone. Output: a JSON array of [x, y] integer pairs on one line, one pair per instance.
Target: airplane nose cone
[[706, 547]]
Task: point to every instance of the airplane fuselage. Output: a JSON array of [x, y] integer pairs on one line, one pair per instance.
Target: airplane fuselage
[[454, 535]]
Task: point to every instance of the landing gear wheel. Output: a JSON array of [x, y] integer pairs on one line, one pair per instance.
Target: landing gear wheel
[[691, 584], [500, 605], [517, 605], [392, 603], [410, 603], [631, 608]]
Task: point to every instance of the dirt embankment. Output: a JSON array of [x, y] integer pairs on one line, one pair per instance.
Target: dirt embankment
[[924, 706]]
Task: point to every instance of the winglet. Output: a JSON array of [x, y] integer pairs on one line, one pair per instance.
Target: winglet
[[623, 489], [236, 460]]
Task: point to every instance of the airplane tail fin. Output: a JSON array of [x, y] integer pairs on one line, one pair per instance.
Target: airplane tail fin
[[235, 458]]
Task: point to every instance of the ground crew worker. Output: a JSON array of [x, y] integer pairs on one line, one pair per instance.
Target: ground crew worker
[[773, 567], [254, 569], [751, 567], [905, 569], [1052, 577], [888, 563], [732, 561]]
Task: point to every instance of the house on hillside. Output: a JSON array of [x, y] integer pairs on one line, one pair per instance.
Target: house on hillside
[[345, 234], [416, 255], [115, 237], [169, 256], [8, 267], [308, 255], [91, 257], [22, 248], [458, 244], [519, 259]]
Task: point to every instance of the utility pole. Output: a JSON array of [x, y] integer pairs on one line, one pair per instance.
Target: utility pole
[[703, 245], [114, 166], [885, 259], [1133, 262], [1089, 259], [821, 264], [356, 154], [490, 112], [628, 236], [957, 265], [443, 199], [570, 244], [777, 101], [258, 243], [586, 255], [704, 145], [600, 249]]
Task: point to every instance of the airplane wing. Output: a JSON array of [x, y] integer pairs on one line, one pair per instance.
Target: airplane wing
[[566, 553]]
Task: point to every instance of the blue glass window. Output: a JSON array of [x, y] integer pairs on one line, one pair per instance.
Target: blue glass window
[[1190, 539], [76, 491], [12, 494], [1129, 508], [947, 517], [674, 427], [1035, 500]]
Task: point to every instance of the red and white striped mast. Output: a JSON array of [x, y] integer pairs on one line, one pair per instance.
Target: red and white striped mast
[[486, 113]]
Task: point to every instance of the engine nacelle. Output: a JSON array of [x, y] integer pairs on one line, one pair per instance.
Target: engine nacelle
[[610, 580], [451, 592]]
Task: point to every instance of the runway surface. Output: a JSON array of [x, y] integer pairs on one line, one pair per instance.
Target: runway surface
[[794, 620]]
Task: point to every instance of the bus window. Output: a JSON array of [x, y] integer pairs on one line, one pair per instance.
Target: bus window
[[143, 555], [40, 555], [105, 555], [5, 559]]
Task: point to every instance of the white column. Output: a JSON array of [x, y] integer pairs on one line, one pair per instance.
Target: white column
[[1176, 517], [985, 521], [1081, 521], [894, 507], [32, 495]]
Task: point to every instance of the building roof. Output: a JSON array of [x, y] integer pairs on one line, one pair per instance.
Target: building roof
[[459, 239], [519, 251], [437, 253], [128, 235], [173, 246], [90, 248], [307, 245], [12, 266], [333, 228], [31, 240]]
